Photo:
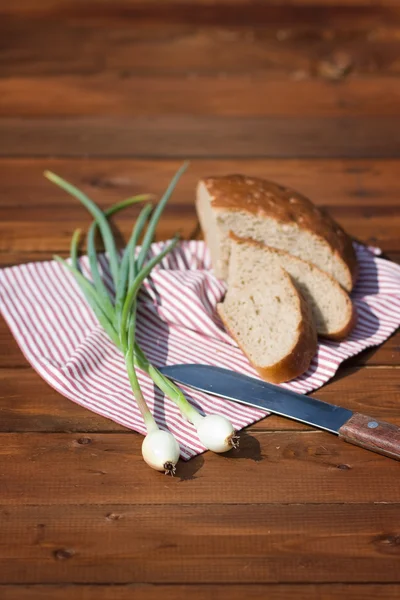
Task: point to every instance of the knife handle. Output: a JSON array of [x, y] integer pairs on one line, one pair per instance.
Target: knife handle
[[371, 434]]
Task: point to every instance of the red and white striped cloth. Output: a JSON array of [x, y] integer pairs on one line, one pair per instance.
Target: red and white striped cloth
[[177, 323]]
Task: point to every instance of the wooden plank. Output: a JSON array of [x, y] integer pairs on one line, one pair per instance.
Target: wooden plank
[[11, 355], [180, 544], [15, 257], [298, 591], [386, 354], [240, 96], [107, 468], [50, 7], [328, 182], [356, 14], [40, 229], [394, 256], [29, 404], [176, 136], [148, 39], [370, 225]]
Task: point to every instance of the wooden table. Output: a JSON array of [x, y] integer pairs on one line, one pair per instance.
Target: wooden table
[[113, 96]]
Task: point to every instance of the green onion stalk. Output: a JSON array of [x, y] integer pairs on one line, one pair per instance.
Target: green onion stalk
[[117, 316]]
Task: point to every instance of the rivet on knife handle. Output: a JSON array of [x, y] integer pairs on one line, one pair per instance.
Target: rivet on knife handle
[[372, 434]]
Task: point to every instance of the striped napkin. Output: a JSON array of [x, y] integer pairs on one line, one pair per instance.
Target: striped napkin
[[177, 323]]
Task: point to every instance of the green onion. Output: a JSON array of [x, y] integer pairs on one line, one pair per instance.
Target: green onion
[[160, 449]]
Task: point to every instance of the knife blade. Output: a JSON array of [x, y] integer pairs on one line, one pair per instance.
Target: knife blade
[[354, 428]]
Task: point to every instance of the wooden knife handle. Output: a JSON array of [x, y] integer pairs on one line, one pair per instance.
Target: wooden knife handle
[[372, 434]]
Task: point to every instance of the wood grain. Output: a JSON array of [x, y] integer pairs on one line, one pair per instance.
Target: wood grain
[[270, 467], [236, 95], [329, 591], [128, 544], [175, 38], [328, 182], [176, 136], [40, 229], [51, 7], [29, 404]]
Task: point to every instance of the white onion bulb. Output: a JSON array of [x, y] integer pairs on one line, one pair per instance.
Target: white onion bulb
[[160, 451], [216, 433]]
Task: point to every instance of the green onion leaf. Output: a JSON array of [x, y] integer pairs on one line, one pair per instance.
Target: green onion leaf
[[127, 268], [91, 296], [100, 217], [148, 238], [134, 288], [92, 255], [75, 247]]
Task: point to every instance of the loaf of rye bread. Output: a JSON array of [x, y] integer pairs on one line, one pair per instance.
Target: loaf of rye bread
[[275, 215]]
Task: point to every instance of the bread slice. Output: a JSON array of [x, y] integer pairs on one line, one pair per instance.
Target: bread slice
[[331, 306], [269, 213], [271, 322]]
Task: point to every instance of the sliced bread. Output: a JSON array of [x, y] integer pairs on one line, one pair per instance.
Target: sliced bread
[[271, 322], [280, 217], [331, 306]]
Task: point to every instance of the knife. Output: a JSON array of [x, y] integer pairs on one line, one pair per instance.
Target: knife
[[352, 427]]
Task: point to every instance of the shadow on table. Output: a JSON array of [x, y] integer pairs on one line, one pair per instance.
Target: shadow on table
[[187, 470], [249, 448]]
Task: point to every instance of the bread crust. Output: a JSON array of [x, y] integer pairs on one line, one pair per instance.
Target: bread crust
[[344, 332], [352, 317], [266, 198], [297, 361]]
